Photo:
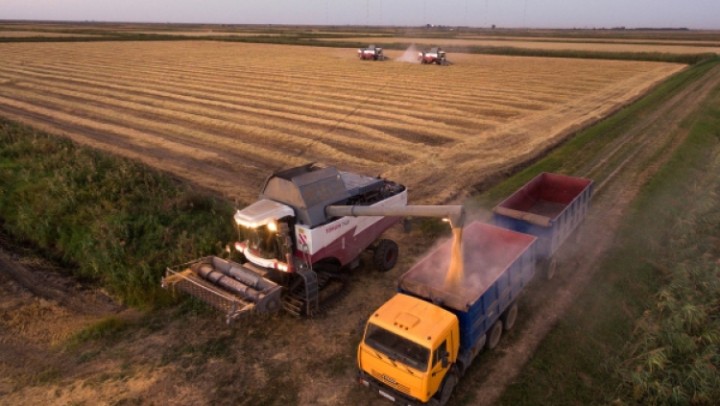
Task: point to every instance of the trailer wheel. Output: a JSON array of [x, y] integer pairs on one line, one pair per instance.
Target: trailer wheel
[[550, 268], [510, 317], [495, 334], [578, 237], [448, 388], [386, 255]]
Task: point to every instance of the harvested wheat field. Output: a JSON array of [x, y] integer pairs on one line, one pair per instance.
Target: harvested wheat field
[[680, 47], [224, 115]]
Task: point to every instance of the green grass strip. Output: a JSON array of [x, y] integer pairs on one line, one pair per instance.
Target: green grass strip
[[111, 219]]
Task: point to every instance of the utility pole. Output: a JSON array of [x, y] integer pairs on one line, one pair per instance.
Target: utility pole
[[367, 12], [425, 12]]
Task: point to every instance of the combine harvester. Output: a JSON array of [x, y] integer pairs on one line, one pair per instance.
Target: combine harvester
[[296, 243], [433, 56], [419, 343], [371, 53]]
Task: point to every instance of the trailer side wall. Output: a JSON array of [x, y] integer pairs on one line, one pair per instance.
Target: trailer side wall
[[481, 316], [550, 207]]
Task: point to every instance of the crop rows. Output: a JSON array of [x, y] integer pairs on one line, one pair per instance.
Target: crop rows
[[224, 115]]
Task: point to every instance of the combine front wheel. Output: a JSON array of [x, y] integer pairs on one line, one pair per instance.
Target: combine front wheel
[[386, 255]]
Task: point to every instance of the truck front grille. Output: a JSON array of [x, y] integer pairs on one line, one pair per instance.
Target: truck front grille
[[384, 379]]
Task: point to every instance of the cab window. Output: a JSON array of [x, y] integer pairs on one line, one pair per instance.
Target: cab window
[[441, 349]]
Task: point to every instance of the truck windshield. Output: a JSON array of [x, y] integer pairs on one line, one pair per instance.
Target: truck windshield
[[397, 348], [265, 243]]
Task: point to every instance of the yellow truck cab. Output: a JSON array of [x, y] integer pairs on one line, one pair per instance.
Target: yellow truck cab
[[409, 347]]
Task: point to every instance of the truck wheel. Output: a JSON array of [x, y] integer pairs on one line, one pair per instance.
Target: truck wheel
[[495, 334], [448, 388], [550, 268], [510, 317], [386, 255]]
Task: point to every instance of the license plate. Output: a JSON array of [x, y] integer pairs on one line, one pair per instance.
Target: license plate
[[387, 396]]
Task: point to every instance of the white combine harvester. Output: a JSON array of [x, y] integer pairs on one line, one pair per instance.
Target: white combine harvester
[[371, 53], [296, 243], [433, 56]]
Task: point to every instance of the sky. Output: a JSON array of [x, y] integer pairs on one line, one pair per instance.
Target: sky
[[697, 14]]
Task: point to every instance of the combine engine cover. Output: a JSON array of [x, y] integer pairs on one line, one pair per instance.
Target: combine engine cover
[[346, 237]]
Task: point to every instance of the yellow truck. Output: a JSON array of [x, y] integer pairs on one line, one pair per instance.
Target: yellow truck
[[419, 343]]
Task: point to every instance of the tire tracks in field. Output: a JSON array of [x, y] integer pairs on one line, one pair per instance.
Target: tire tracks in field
[[646, 146]]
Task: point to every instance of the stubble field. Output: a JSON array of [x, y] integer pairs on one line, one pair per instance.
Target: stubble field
[[224, 115]]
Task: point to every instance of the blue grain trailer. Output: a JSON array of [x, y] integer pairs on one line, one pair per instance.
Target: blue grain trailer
[[551, 206], [419, 343]]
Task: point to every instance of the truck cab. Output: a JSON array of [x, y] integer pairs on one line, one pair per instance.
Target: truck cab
[[409, 349]]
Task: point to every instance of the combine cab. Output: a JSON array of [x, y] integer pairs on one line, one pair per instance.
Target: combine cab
[[434, 55], [372, 53]]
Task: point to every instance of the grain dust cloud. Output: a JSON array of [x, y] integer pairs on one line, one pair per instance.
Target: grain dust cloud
[[410, 55]]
